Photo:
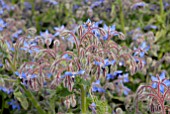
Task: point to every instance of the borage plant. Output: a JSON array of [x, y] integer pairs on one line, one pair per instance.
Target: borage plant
[[91, 57], [157, 94]]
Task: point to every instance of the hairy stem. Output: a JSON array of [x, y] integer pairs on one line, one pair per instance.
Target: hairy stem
[[121, 16], [83, 100]]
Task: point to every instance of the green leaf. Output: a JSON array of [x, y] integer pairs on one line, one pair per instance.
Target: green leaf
[[22, 99], [81, 81], [62, 91]]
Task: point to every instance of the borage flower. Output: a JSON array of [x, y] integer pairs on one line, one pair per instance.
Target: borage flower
[[111, 30], [159, 81], [93, 107], [106, 63], [17, 33], [6, 90], [58, 30], [46, 34], [113, 75], [21, 75], [96, 87], [66, 56], [73, 74], [27, 47], [14, 104], [1, 65], [150, 27], [121, 88], [143, 48], [87, 24], [10, 46], [124, 78], [96, 3], [138, 5], [53, 2]]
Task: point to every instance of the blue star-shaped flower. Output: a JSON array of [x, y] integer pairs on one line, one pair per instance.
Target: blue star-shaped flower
[[58, 30], [161, 81], [106, 63], [53, 2], [15, 104], [138, 5], [96, 87], [73, 74]]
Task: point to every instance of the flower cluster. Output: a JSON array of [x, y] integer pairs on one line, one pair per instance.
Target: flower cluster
[[158, 92], [49, 56]]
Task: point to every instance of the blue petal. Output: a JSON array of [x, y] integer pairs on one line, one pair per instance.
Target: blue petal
[[97, 82], [88, 21], [126, 91], [105, 37], [93, 105], [153, 78], [162, 75], [68, 74], [105, 27], [96, 33], [97, 63], [101, 90], [66, 56], [33, 76], [81, 72], [154, 85], [23, 75], [143, 45], [106, 62], [112, 62], [110, 76], [167, 83], [142, 54], [49, 75], [161, 88], [147, 48], [113, 28], [126, 77], [17, 73], [94, 89], [117, 72]]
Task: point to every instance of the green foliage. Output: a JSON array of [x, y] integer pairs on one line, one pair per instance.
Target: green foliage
[[63, 92], [22, 99]]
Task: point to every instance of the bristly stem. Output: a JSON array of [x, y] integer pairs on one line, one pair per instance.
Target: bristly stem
[[83, 100], [121, 16]]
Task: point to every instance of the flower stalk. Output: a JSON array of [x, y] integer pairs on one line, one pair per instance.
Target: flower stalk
[[83, 99], [121, 16]]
